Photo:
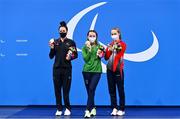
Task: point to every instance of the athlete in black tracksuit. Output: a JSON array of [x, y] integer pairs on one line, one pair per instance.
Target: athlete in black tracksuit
[[62, 70]]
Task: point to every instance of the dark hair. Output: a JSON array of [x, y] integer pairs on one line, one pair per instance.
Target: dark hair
[[118, 30], [63, 24], [95, 33]]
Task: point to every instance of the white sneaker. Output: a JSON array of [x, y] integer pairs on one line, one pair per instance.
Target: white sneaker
[[58, 113], [93, 112], [67, 112], [120, 113], [114, 112], [87, 114]]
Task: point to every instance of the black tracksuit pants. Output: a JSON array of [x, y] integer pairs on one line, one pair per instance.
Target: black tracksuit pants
[[115, 79], [62, 81]]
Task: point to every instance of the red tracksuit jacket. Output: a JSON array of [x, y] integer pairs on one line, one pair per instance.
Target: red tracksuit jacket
[[118, 56]]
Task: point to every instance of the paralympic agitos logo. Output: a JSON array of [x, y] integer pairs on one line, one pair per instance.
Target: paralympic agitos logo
[[135, 57]]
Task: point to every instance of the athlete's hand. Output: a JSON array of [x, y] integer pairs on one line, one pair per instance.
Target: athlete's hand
[[88, 44], [110, 47], [51, 43], [68, 56]]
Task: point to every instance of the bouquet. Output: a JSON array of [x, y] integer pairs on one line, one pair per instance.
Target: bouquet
[[71, 53], [101, 51], [117, 46]]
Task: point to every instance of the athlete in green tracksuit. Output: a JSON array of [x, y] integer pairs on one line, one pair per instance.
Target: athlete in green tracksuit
[[92, 53]]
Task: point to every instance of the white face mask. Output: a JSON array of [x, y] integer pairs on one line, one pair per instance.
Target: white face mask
[[92, 39], [114, 37]]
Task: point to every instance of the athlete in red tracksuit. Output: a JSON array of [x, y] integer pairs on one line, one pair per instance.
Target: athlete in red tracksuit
[[115, 74]]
